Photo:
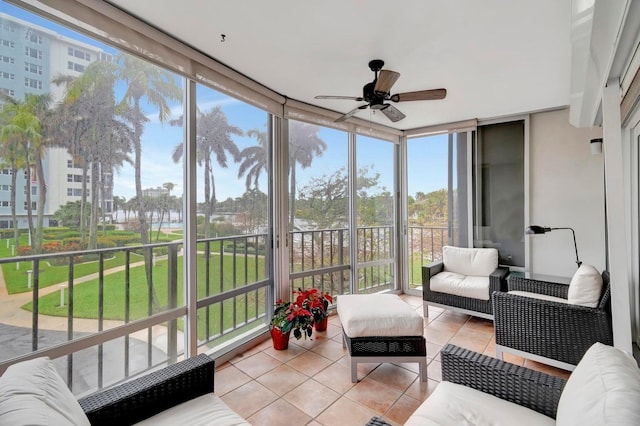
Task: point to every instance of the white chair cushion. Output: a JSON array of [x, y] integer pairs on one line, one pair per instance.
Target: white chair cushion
[[585, 287], [32, 393], [454, 404], [539, 296], [207, 409], [604, 389], [470, 261], [460, 285], [365, 315]]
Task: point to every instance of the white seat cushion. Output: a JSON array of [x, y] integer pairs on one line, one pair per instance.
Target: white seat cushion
[[539, 296], [470, 261], [365, 315], [604, 389], [207, 409], [585, 287], [453, 404], [460, 285], [32, 393]]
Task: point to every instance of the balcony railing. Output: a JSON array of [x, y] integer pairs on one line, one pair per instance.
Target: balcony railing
[[105, 316], [110, 317]]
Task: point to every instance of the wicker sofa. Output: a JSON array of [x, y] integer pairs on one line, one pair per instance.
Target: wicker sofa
[[478, 389], [549, 330], [463, 281], [32, 393]]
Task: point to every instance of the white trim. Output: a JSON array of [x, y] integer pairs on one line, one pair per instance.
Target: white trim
[[533, 357], [616, 201]]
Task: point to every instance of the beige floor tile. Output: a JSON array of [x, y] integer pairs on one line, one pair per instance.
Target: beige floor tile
[[285, 355], [258, 364], [309, 363], [393, 375], [228, 379], [346, 412], [421, 390], [375, 395], [336, 377], [312, 397], [279, 413], [330, 349], [402, 409], [282, 379], [249, 398]]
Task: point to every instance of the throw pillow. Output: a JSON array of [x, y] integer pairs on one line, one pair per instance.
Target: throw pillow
[[32, 393], [585, 287]]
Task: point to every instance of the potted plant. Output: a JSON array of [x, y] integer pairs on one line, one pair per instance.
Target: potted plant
[[288, 317], [317, 302]]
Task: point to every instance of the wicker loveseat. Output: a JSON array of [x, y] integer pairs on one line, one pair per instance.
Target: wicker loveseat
[[553, 331], [463, 281], [32, 393], [477, 389]]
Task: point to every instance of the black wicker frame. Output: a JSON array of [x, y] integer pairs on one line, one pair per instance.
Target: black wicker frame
[[387, 349], [147, 395], [528, 388], [555, 333], [481, 308]]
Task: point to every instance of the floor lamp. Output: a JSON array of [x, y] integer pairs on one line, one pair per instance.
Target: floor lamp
[[535, 229]]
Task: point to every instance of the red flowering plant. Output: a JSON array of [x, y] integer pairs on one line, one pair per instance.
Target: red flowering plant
[[291, 316], [317, 302]]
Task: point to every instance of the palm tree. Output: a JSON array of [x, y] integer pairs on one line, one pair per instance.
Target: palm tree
[[169, 187], [213, 139], [304, 145], [23, 125], [158, 87], [92, 131], [254, 159]]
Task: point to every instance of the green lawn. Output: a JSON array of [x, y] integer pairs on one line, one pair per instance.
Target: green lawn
[[220, 315]]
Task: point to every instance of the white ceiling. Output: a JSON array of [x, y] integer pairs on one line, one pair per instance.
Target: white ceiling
[[494, 57]]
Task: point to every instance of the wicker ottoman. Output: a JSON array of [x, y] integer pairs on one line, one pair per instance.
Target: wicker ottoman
[[381, 328]]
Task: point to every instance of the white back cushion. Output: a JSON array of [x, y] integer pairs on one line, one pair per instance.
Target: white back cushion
[[604, 389], [585, 287], [32, 393], [470, 261], [205, 410]]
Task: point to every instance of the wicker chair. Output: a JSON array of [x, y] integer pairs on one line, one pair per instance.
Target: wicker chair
[[468, 305], [551, 332]]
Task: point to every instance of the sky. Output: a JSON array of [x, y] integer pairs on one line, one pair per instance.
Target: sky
[[427, 165]]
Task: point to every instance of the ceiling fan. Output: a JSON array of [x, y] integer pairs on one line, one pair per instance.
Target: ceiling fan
[[378, 91]]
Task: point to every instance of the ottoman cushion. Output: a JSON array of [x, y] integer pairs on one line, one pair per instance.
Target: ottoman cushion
[[364, 315]]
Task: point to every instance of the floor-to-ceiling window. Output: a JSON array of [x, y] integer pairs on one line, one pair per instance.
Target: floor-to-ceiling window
[[437, 198], [375, 215], [318, 215]]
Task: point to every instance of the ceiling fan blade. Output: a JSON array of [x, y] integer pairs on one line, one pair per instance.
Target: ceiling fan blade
[[392, 113], [420, 95], [386, 79], [351, 98], [350, 113]]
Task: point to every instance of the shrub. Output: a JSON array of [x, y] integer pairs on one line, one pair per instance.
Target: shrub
[[24, 251], [123, 240], [105, 242], [51, 247]]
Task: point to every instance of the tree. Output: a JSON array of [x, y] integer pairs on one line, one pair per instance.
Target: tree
[[92, 132], [158, 87], [169, 187], [254, 159], [23, 125], [13, 155], [304, 145], [71, 214], [213, 141]]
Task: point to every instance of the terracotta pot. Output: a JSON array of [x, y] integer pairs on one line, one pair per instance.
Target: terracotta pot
[[321, 325], [280, 339]]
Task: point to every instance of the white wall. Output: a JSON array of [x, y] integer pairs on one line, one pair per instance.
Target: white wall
[[566, 189]]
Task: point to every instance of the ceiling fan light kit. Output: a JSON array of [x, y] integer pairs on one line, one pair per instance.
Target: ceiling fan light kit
[[378, 91]]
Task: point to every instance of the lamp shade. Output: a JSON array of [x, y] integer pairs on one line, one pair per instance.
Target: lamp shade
[[535, 229]]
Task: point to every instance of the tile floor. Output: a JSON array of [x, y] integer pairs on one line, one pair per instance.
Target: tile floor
[[310, 382]]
